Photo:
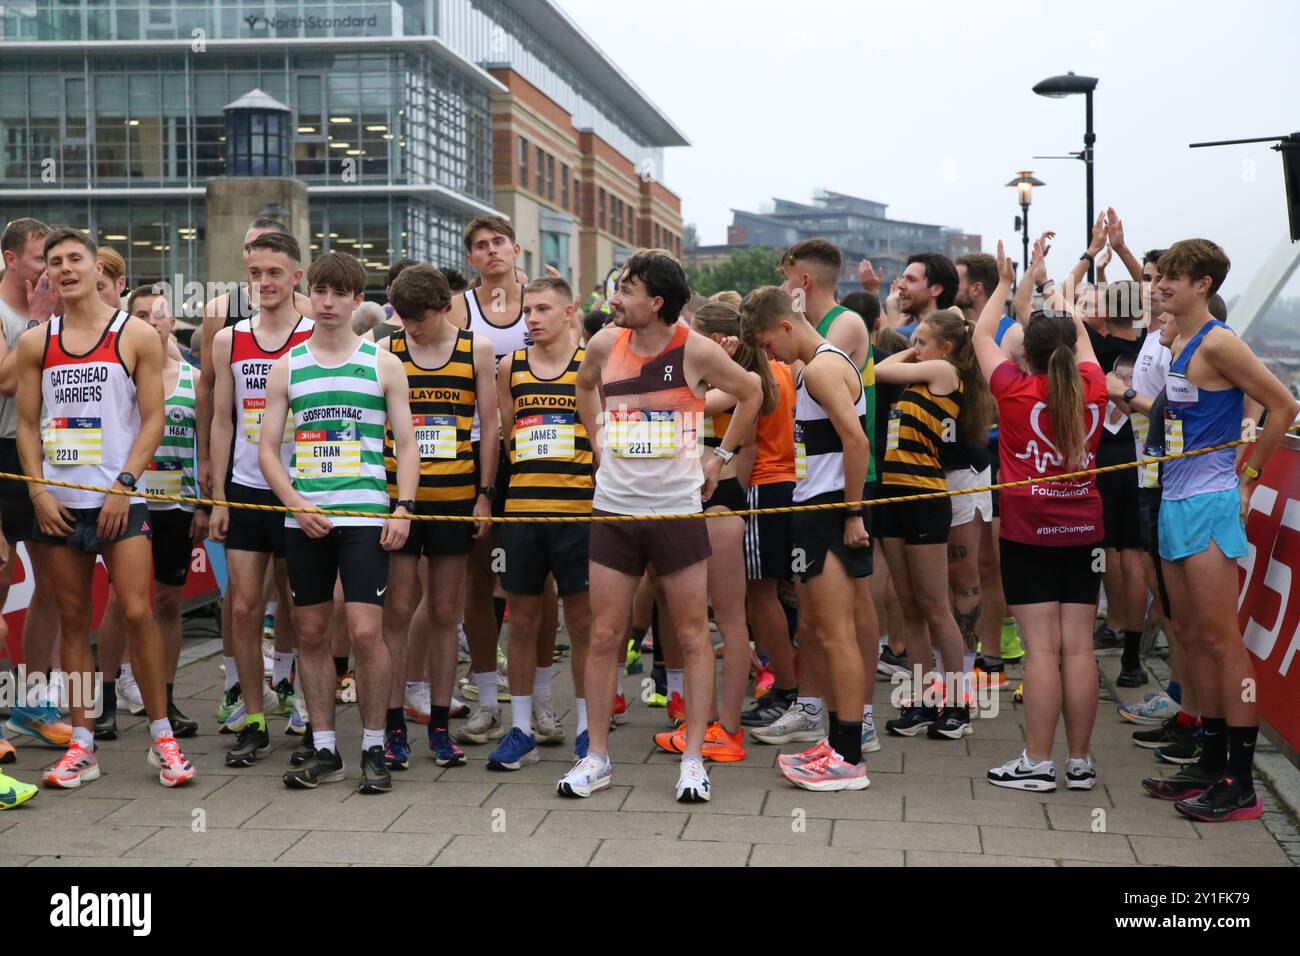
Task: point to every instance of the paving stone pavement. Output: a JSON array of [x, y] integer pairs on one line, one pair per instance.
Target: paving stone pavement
[[928, 804]]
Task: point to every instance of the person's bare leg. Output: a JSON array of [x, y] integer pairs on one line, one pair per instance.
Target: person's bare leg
[[247, 570], [771, 630], [397, 619], [993, 604], [548, 626], [928, 573], [340, 644], [916, 637], [608, 628], [1040, 629], [866, 629], [726, 584], [130, 565], [68, 573], [964, 580], [835, 634], [812, 675], [686, 592], [365, 623], [527, 615], [315, 663], [44, 615], [577, 622], [286, 639], [1112, 579], [167, 611], [1215, 606], [480, 616], [1078, 676], [110, 639], [445, 596]]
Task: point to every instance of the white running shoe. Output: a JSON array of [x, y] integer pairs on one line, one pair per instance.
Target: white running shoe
[[797, 723], [174, 768], [693, 783], [870, 742], [483, 725], [268, 657], [1021, 774], [128, 693], [588, 775], [417, 702], [1156, 707], [1080, 774], [462, 643], [546, 725]]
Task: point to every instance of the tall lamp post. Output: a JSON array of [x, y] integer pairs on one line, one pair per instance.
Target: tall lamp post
[[1025, 183], [1058, 87]]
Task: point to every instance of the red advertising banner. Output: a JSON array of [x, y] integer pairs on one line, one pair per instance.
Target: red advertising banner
[[1268, 606]]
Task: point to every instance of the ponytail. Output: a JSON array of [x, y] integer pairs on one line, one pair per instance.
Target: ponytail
[[720, 317], [1065, 405]]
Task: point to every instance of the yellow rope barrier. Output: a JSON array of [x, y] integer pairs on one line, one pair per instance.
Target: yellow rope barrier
[[567, 519]]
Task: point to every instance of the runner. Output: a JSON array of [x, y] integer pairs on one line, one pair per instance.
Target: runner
[[493, 311], [551, 475], [26, 296], [99, 375], [941, 404], [1049, 422], [341, 393], [1202, 524], [652, 372], [832, 447], [242, 356], [177, 528], [724, 740], [928, 283], [450, 374]]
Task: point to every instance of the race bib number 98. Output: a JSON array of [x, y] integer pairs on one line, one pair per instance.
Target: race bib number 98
[[326, 454]]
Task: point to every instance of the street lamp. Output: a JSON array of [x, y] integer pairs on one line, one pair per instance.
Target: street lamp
[[1058, 87], [1025, 183]]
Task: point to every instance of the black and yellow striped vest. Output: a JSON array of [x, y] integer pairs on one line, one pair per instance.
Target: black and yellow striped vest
[[550, 454], [918, 428], [443, 401]]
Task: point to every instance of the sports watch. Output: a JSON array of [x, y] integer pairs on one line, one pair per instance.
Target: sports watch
[[126, 480], [407, 504]]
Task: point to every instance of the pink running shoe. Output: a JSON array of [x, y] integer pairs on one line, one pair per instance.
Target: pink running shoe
[[174, 768], [831, 772], [815, 752], [77, 766]]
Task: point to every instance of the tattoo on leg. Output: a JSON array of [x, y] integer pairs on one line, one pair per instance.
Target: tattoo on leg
[[957, 552], [968, 623]]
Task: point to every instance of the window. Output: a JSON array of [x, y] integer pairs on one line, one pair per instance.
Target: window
[[550, 178], [600, 209], [564, 186], [523, 161], [541, 165]]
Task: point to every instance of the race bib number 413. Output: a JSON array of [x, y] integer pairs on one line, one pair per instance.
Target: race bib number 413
[[641, 434], [326, 454], [73, 441], [545, 436], [436, 435]]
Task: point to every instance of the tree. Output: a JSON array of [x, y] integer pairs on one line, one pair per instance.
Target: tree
[[742, 271]]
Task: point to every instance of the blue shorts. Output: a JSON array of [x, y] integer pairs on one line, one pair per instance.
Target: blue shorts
[[1188, 525]]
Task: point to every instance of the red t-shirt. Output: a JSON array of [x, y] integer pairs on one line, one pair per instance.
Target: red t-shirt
[[1059, 513]]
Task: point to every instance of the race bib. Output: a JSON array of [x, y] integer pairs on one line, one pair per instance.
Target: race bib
[[1173, 432], [254, 410], [435, 435], [73, 441], [891, 436], [326, 454], [642, 434], [545, 436], [163, 476], [800, 454], [1148, 475]]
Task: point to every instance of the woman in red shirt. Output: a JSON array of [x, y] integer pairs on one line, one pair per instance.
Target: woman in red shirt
[[1049, 422]]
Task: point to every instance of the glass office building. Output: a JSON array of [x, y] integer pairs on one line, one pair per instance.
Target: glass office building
[[111, 114]]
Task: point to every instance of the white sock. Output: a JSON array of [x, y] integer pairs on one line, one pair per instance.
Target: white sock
[[326, 740], [693, 757], [160, 728], [127, 676], [232, 672], [542, 681], [369, 738], [676, 684], [867, 714], [884, 641], [283, 667], [968, 677], [487, 689], [84, 737], [521, 713], [581, 703], [270, 608], [811, 705]]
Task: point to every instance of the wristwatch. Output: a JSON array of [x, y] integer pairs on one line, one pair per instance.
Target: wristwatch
[[126, 480], [1129, 395], [1251, 472], [725, 455], [488, 491], [1089, 256], [407, 504]]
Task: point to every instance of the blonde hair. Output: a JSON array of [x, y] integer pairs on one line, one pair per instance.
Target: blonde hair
[[721, 318], [114, 264], [729, 296]]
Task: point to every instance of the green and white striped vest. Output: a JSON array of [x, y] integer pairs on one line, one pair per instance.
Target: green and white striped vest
[[174, 465], [339, 415]]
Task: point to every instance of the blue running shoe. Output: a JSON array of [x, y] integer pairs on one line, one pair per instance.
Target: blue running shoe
[[445, 751], [397, 751], [580, 745], [44, 723], [516, 750]]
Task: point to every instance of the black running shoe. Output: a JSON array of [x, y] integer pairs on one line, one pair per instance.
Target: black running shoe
[[659, 674], [1224, 800], [1107, 642], [953, 724], [1170, 730], [889, 664], [252, 744], [375, 776], [323, 766], [182, 726], [1190, 781], [1137, 677], [106, 725], [1182, 752], [768, 709], [912, 721], [306, 750]]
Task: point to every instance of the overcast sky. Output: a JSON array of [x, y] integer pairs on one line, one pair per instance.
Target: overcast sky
[[927, 106]]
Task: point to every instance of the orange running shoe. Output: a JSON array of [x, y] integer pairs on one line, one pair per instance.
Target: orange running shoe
[[7, 752], [813, 753], [672, 741], [720, 745], [676, 708], [996, 679], [619, 713]]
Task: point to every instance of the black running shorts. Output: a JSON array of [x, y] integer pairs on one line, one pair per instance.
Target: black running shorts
[[534, 551], [250, 530], [767, 537], [351, 553], [816, 533], [172, 548], [1039, 574]]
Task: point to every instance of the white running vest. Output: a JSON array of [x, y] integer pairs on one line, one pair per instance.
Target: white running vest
[[91, 415], [504, 338], [250, 364], [819, 452]]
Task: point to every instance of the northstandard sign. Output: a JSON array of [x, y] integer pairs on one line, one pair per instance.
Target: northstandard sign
[[310, 22]]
